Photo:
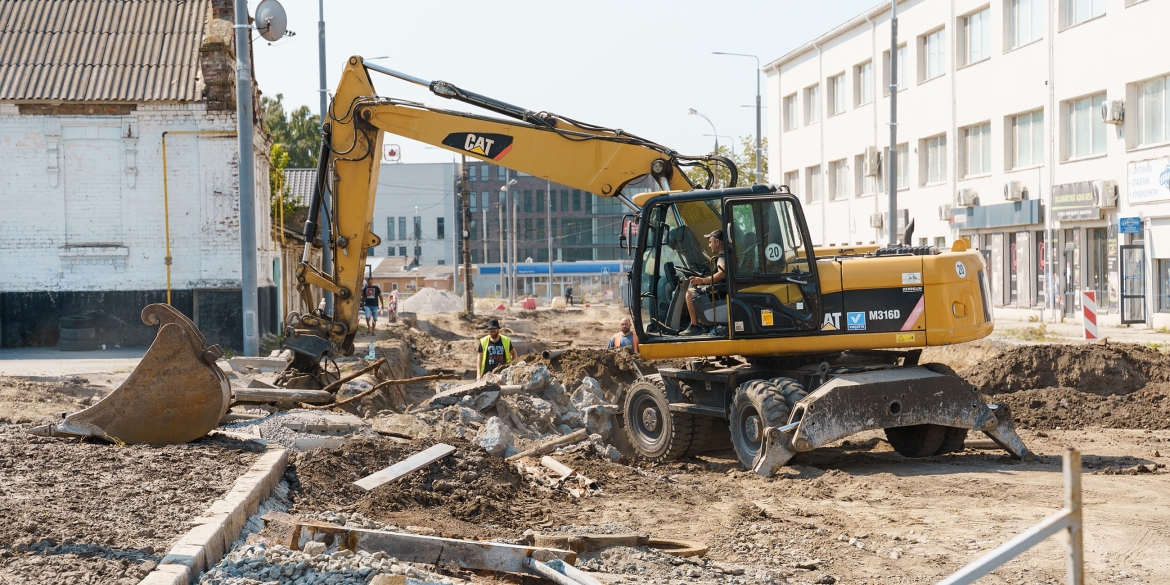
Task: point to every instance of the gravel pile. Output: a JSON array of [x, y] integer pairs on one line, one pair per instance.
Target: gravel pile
[[259, 562], [432, 300], [282, 428]]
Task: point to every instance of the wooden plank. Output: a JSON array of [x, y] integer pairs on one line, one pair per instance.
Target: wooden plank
[[270, 395], [573, 437], [404, 467], [415, 548]]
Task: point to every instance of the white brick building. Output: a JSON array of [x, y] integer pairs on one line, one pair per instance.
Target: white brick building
[[88, 90], [1000, 138]]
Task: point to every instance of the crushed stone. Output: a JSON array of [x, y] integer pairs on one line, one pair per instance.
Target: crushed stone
[[432, 300]]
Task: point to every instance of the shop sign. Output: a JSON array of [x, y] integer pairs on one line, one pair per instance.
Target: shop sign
[[1074, 202], [1129, 225], [1149, 180]]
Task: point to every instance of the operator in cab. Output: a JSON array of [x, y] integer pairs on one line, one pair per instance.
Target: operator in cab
[[719, 274], [494, 349]]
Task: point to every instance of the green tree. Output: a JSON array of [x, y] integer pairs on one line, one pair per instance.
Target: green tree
[[745, 163], [297, 132], [283, 206]]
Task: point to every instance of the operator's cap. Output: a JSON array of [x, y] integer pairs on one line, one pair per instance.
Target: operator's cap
[[494, 324], [717, 234]]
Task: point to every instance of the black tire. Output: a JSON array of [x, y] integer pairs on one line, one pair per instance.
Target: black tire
[[77, 345], [77, 334], [759, 404], [655, 432], [75, 322], [953, 441], [916, 440], [701, 426]]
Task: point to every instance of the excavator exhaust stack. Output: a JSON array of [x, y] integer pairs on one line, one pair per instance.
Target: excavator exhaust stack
[[175, 395]]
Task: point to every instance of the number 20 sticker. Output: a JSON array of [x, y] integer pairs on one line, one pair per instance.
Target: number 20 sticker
[[773, 252], [961, 269]]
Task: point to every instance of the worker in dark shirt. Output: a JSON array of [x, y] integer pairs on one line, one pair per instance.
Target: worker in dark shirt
[[494, 349], [371, 302]]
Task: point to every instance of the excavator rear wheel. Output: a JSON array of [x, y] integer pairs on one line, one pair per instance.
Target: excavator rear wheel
[[701, 426], [917, 440], [759, 404], [655, 432]]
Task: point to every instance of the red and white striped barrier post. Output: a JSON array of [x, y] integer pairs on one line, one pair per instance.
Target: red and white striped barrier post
[[1089, 309]]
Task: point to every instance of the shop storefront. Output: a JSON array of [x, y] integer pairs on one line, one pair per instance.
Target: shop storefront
[[1149, 183], [1085, 218], [1011, 238]]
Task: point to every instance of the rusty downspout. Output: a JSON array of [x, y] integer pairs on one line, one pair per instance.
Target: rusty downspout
[[166, 195]]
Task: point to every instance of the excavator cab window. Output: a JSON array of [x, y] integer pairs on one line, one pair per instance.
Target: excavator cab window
[[675, 248]]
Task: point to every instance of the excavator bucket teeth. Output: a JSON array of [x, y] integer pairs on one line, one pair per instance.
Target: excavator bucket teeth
[[175, 395]]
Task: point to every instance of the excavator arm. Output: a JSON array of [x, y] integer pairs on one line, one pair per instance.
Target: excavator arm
[[591, 158]]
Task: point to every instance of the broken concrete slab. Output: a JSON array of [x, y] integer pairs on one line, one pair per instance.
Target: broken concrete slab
[[405, 467], [403, 425], [263, 364], [495, 437], [270, 395]]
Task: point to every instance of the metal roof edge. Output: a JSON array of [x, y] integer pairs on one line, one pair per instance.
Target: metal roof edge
[[835, 32]]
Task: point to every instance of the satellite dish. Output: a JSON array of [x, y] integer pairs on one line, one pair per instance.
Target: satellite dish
[[271, 20]]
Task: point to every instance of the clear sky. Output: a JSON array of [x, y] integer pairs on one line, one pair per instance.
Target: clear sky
[[637, 65]]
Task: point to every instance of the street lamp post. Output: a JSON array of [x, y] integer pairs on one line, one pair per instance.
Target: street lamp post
[[759, 179], [504, 193], [695, 112]]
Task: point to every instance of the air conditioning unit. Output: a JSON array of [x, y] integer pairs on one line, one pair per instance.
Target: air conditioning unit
[[1105, 193], [944, 212], [1015, 191], [1113, 112], [875, 220], [872, 166], [966, 197]]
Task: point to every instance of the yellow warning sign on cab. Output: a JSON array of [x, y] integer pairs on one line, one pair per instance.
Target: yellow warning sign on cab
[[766, 317], [907, 337]]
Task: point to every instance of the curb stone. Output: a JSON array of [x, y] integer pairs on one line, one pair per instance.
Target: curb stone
[[215, 530]]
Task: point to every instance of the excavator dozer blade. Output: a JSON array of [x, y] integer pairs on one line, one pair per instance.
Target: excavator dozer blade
[[175, 395]]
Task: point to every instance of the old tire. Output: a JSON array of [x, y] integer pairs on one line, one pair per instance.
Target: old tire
[[701, 426], [75, 322], [953, 441], [759, 404], [655, 432], [77, 334], [77, 345], [916, 440]]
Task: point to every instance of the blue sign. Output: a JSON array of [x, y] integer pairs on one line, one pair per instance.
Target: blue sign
[[1129, 225], [855, 321]]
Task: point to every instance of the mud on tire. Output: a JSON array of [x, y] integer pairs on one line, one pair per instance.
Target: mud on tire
[[654, 431], [759, 404]]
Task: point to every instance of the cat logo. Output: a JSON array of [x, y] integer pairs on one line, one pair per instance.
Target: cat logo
[[832, 322], [489, 146]]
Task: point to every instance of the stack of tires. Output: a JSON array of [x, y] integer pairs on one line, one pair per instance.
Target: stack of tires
[[76, 333]]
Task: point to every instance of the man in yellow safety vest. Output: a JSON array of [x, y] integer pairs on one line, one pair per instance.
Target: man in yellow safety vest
[[494, 349]]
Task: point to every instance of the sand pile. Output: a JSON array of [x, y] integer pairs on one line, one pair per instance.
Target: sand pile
[[432, 300]]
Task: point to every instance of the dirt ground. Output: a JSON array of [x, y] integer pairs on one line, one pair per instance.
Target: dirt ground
[[856, 512]]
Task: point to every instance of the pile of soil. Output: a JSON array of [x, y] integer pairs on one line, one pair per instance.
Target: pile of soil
[[81, 512], [1069, 408], [608, 367], [1104, 370], [466, 494]]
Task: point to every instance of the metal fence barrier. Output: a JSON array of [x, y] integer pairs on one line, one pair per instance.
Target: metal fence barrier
[[1067, 519]]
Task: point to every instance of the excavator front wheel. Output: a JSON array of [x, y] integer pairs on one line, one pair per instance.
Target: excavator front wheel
[[655, 432], [760, 404]]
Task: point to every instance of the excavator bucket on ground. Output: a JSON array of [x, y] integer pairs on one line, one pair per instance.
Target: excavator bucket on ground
[[175, 395]]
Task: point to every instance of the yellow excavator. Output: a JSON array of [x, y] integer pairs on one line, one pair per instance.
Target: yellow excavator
[[793, 347]]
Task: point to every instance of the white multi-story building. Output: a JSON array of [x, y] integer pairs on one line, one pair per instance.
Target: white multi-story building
[[1015, 117], [414, 213]]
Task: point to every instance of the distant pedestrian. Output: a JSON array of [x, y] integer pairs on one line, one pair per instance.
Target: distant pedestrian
[[371, 302], [494, 349], [625, 338], [569, 294]]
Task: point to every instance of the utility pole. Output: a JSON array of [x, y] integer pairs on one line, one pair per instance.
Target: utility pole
[[247, 165], [503, 200], [893, 166], [548, 232], [759, 138], [465, 213], [326, 196], [515, 209]]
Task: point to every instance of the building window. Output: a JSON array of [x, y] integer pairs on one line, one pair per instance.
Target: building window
[[471, 173], [473, 233], [564, 200], [903, 164], [390, 231], [1086, 131], [439, 231], [792, 179], [863, 83], [389, 250], [976, 36], [471, 201], [528, 229], [791, 122], [1028, 139], [933, 48], [1078, 11], [501, 173], [977, 150], [540, 200], [417, 228], [527, 201], [837, 94], [901, 70], [484, 172], [940, 242], [418, 253], [402, 230], [1025, 22], [813, 188], [576, 200], [540, 229], [812, 104], [1164, 286], [934, 159], [1153, 111], [401, 250], [838, 179], [866, 185]]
